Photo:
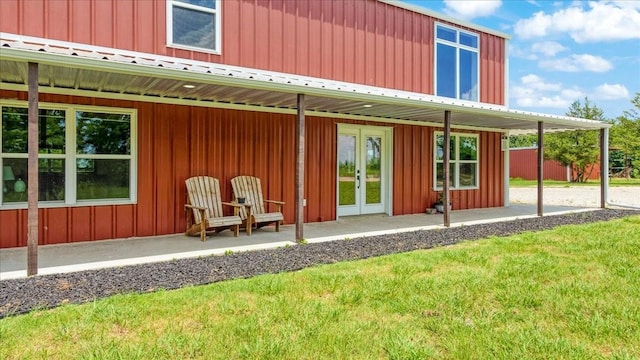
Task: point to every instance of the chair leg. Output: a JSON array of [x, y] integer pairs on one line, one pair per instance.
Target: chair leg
[[249, 226], [203, 231], [278, 226], [236, 230]]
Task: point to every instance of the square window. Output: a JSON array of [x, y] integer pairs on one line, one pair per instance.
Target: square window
[[445, 33], [102, 179], [103, 133], [468, 39], [51, 130], [463, 162], [194, 24]]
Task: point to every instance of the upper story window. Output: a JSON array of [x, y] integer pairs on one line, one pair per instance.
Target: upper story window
[[194, 24], [86, 155], [457, 64]]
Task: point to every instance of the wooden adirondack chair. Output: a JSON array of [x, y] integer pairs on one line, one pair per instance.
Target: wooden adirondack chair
[[204, 208], [254, 212]]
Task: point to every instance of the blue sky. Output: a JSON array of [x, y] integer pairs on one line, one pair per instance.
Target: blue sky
[[562, 51]]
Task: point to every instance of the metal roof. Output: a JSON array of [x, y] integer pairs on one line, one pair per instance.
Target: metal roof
[[79, 69]]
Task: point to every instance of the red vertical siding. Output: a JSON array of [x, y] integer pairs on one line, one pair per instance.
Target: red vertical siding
[[362, 41], [176, 142], [523, 163]]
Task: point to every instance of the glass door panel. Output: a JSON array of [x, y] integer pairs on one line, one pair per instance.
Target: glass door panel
[[373, 178], [347, 169]]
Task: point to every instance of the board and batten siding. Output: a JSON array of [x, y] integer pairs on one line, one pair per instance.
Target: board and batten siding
[[177, 141], [523, 164], [359, 41]]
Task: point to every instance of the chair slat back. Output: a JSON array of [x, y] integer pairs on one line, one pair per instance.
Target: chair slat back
[[204, 191], [250, 188]]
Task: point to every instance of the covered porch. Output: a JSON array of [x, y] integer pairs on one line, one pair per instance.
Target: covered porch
[[39, 66], [64, 258]]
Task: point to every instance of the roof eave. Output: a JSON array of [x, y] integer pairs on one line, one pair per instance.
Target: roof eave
[[292, 84]]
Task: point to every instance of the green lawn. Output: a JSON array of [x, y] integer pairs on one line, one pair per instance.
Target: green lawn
[[518, 182], [568, 293]]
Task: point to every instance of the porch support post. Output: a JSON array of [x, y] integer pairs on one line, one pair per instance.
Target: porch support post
[[604, 167], [540, 165], [32, 193], [299, 202], [504, 143], [445, 167]]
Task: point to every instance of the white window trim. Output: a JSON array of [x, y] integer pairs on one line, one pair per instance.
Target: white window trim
[[70, 156], [456, 162], [457, 46], [217, 13]]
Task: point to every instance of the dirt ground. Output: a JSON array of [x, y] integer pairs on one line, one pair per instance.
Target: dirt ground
[[576, 195]]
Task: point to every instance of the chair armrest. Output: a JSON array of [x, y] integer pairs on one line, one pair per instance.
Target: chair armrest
[[278, 204], [232, 204], [194, 207]]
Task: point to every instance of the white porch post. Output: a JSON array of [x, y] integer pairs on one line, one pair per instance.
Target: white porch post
[[507, 166], [540, 166], [604, 167]]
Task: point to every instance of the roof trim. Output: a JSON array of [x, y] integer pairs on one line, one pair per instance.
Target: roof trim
[[220, 105], [66, 54], [439, 16]]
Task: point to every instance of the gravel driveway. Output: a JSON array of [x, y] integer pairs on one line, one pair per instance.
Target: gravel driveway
[[588, 196]]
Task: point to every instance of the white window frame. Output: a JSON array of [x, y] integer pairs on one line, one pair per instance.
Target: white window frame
[[70, 155], [217, 13], [456, 162], [457, 47]]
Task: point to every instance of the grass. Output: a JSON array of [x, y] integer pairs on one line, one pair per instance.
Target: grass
[[518, 182], [572, 292]]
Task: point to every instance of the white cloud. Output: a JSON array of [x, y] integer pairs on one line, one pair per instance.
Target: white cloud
[[628, 4], [548, 48], [537, 83], [611, 92], [518, 52], [534, 91], [576, 63], [601, 21], [469, 9]]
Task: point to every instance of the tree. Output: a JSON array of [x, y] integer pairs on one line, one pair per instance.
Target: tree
[[578, 149], [518, 141], [625, 137]]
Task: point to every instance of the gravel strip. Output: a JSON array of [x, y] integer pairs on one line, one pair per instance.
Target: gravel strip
[[18, 296]]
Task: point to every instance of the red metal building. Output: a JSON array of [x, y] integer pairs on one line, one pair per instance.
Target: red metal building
[[523, 164], [137, 96]]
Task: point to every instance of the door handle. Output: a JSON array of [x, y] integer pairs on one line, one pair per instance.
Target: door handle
[[358, 179]]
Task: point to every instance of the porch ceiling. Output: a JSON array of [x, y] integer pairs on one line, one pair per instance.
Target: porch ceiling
[[68, 68]]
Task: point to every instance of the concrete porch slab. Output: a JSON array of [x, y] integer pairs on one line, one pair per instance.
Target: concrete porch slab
[[62, 258]]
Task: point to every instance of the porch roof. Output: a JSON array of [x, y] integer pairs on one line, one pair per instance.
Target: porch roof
[[78, 69]]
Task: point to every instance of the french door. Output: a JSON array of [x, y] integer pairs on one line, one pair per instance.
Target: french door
[[363, 170]]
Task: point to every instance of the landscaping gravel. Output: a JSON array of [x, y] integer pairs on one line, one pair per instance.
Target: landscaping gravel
[[19, 296]]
